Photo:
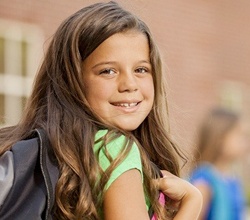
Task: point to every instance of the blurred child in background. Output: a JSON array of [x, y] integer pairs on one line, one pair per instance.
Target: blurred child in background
[[221, 142]]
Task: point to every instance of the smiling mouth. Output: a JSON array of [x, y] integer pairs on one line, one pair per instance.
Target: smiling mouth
[[126, 105]]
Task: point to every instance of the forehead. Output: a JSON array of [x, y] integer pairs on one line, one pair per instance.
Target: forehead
[[129, 45]]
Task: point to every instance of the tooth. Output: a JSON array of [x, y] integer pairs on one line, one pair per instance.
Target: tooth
[[126, 105]]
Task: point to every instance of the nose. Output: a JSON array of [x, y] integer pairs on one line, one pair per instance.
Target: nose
[[127, 82]]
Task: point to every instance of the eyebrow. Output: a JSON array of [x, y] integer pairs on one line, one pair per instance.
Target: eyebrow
[[103, 63], [113, 62]]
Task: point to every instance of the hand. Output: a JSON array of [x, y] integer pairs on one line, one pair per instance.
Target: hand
[[183, 194]]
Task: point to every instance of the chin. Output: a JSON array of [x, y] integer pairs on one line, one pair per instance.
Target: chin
[[128, 124], [128, 128]]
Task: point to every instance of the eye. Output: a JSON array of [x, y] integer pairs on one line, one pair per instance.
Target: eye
[[142, 70], [107, 71]]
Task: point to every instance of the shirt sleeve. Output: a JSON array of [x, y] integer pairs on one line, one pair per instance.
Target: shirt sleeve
[[132, 160], [203, 173]]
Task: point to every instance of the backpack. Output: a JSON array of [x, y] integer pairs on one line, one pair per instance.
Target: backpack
[[35, 170], [35, 173]]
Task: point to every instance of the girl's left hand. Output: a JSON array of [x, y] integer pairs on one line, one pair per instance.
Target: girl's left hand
[[187, 198]]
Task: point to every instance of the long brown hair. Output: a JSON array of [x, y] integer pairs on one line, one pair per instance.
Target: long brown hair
[[213, 130], [58, 105]]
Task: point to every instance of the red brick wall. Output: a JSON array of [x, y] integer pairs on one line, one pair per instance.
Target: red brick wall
[[204, 44]]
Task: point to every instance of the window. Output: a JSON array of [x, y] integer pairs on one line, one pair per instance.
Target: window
[[20, 53]]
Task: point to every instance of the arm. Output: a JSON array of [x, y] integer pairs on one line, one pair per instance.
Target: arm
[[206, 194], [124, 194], [125, 198], [188, 197]]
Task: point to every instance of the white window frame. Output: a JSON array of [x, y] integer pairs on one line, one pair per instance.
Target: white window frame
[[13, 85]]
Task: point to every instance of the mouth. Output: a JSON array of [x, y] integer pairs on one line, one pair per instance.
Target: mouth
[[126, 104]]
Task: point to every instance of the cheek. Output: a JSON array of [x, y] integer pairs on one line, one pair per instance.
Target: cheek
[[152, 93], [96, 91], [95, 98], [235, 146], [148, 88]]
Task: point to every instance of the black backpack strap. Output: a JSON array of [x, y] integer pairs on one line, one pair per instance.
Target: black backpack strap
[[49, 168]]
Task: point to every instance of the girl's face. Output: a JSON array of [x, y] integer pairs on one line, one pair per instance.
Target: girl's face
[[235, 143], [118, 80]]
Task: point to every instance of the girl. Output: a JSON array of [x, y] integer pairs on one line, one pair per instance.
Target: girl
[[100, 97], [220, 144]]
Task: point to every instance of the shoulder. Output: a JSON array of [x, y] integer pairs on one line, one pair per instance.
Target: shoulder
[[116, 150], [203, 173], [114, 145]]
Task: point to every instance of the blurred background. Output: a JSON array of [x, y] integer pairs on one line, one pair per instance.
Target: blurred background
[[205, 47]]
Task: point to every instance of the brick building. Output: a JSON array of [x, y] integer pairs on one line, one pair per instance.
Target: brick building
[[205, 45]]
